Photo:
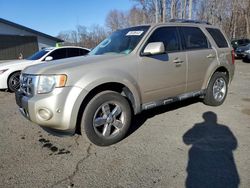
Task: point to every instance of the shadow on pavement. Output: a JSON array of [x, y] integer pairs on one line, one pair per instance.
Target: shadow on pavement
[[211, 161], [141, 118]]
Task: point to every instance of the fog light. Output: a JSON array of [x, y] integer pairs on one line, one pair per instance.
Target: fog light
[[45, 114]]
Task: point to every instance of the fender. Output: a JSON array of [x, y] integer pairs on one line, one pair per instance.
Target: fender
[[211, 70], [99, 77], [94, 79]]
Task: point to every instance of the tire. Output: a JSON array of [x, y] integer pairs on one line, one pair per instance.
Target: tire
[[216, 91], [14, 81], [106, 118]]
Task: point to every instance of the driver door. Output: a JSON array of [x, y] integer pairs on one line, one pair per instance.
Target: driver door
[[163, 76]]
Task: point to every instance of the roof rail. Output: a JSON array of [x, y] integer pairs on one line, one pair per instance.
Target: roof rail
[[190, 21]]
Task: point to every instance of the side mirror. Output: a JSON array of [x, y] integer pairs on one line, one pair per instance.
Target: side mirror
[[154, 48], [49, 58]]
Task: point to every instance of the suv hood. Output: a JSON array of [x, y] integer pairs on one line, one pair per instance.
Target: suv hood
[[65, 66]]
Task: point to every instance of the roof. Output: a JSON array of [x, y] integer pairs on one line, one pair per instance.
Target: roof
[[183, 24], [79, 47], [179, 22], [29, 30]]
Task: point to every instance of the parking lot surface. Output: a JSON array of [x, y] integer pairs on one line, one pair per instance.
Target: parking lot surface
[[185, 144]]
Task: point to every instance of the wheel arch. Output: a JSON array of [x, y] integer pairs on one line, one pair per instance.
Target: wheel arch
[[217, 69], [112, 86]]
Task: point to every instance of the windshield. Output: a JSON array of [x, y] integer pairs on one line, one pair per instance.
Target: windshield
[[38, 55], [122, 41]]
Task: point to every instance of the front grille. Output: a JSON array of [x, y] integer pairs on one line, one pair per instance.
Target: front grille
[[27, 84]]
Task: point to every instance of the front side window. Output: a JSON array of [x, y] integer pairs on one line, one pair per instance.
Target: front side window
[[169, 37], [121, 42], [194, 38]]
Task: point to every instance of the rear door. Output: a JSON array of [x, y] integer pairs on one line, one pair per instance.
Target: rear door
[[73, 52], [200, 55], [59, 53], [223, 49], [163, 76]]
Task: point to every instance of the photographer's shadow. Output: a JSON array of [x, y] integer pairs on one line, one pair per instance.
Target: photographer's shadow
[[211, 162]]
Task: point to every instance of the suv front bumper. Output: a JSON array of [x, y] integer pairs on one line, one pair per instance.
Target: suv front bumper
[[56, 110]]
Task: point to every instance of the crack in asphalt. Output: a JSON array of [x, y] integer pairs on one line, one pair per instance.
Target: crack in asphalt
[[76, 140], [71, 176]]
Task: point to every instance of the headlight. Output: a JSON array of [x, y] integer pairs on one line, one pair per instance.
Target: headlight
[[248, 51], [47, 83], [2, 71]]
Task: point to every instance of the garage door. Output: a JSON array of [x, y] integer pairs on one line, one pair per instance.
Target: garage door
[[11, 46]]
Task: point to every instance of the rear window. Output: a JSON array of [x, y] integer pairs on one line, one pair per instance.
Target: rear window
[[218, 37], [84, 52]]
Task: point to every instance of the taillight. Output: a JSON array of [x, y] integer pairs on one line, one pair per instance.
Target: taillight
[[233, 57]]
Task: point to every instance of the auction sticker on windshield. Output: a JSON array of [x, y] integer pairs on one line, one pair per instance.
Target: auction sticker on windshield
[[134, 33]]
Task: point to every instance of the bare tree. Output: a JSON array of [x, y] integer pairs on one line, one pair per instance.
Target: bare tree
[[190, 6], [116, 20], [156, 3], [233, 16], [164, 10], [83, 36], [64, 35], [136, 16], [174, 9], [183, 9]]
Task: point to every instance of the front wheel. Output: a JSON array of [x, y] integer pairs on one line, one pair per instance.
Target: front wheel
[[14, 82], [217, 89], [106, 118]]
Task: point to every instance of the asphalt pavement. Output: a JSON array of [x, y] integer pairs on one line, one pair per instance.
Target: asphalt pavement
[[184, 144]]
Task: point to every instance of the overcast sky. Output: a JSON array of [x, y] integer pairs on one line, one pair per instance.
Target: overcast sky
[[53, 16]]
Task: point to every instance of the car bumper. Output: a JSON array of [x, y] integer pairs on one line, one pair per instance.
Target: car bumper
[[239, 54], [3, 81], [246, 56], [55, 110]]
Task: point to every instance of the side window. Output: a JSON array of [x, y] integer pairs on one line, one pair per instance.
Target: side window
[[194, 38], [218, 37], [83, 52], [58, 54], [73, 52], [167, 35]]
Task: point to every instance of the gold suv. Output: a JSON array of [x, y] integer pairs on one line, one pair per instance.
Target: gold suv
[[134, 69]]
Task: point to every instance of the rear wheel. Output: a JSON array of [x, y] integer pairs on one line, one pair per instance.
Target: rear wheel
[[14, 82], [217, 89], [106, 118]]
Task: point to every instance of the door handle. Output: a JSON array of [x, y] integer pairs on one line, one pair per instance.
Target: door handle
[[178, 61], [211, 56]]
